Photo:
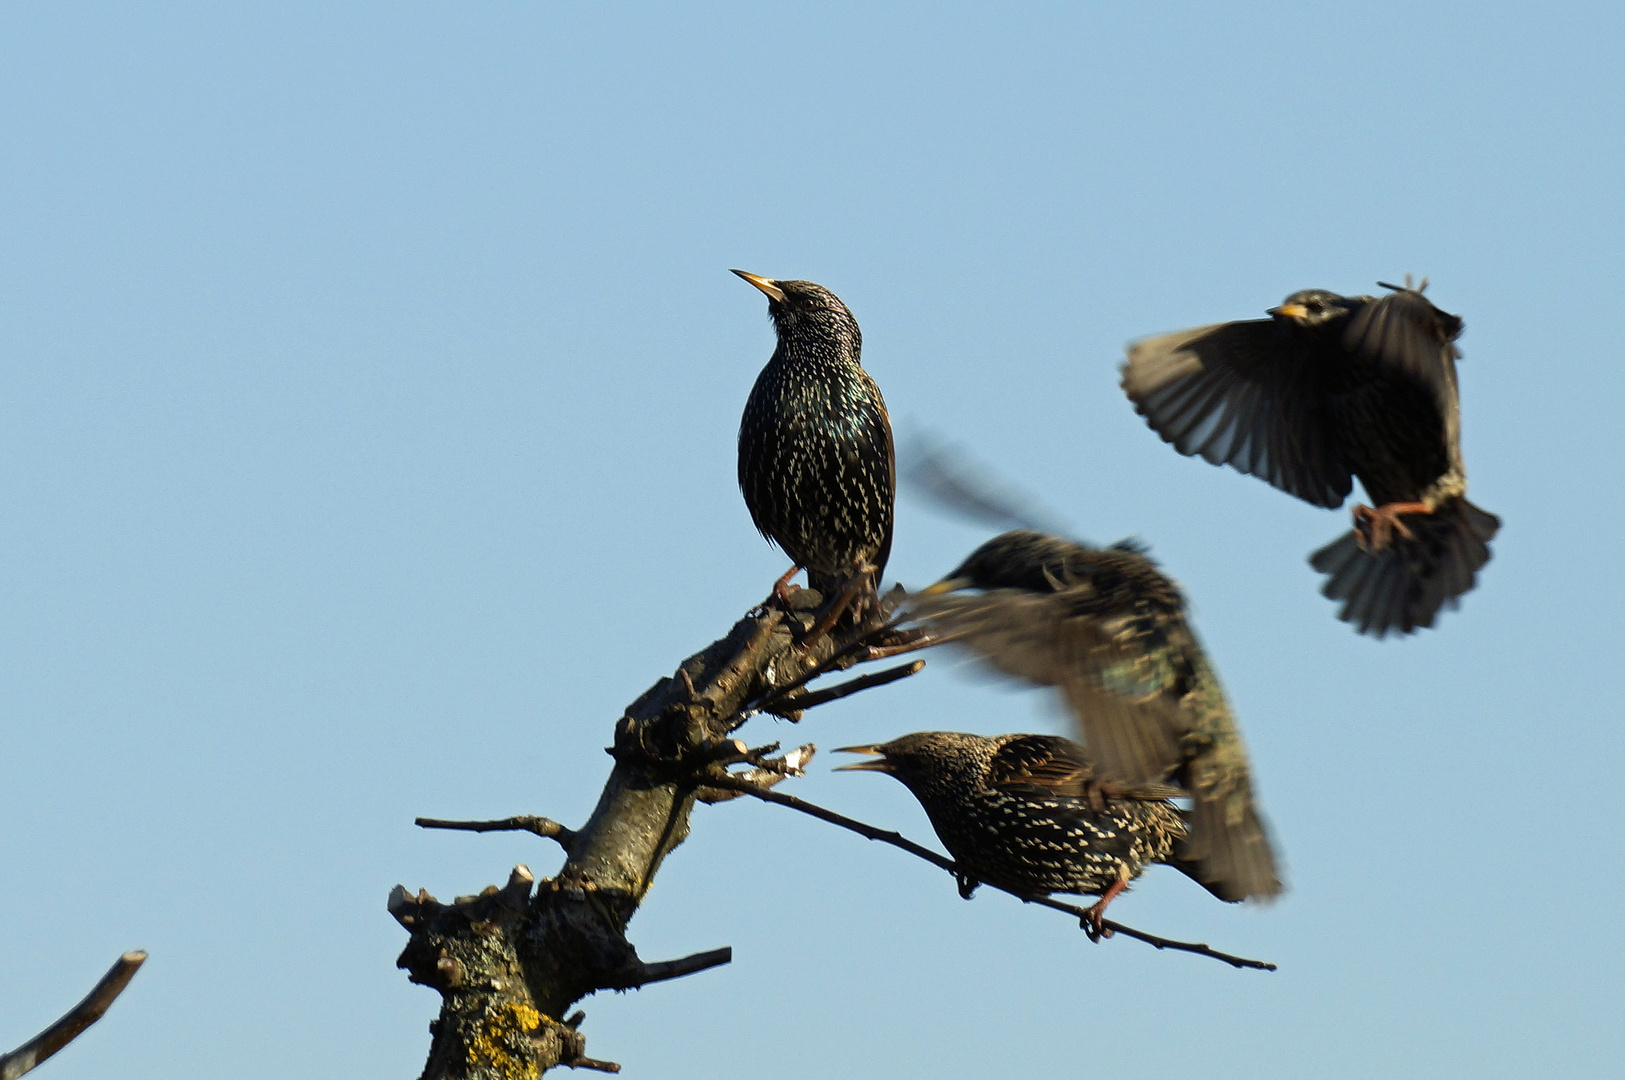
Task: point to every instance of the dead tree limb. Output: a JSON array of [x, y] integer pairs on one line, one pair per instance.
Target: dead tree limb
[[78, 1018], [509, 964]]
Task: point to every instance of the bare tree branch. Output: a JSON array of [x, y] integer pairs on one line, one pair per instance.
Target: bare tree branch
[[81, 1016], [883, 640], [591, 1063], [897, 840], [509, 964], [797, 703], [767, 771], [541, 826], [673, 969]]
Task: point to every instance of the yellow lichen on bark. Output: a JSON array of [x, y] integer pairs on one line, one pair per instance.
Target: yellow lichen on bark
[[503, 1039]]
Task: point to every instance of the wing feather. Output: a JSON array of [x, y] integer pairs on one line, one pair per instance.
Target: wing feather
[[1240, 394]]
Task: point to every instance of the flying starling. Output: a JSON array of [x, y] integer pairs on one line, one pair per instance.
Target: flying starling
[[1031, 814], [1107, 628], [1328, 388], [816, 463]]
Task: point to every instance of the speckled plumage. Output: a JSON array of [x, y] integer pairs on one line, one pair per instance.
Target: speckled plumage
[[1108, 629], [1015, 811], [816, 462], [1330, 388]]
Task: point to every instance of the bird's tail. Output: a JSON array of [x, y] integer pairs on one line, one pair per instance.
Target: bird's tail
[[1228, 851], [1403, 586]]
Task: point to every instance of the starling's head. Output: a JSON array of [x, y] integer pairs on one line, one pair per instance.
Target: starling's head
[[1020, 559], [1311, 307], [805, 312], [925, 760]]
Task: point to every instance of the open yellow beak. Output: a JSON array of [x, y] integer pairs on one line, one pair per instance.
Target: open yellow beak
[[766, 284], [879, 764]]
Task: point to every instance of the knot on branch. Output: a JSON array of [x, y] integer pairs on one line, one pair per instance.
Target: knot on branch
[[467, 944]]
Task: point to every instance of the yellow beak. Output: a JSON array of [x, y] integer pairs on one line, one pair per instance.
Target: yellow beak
[[946, 585], [879, 764], [1291, 311], [766, 284]]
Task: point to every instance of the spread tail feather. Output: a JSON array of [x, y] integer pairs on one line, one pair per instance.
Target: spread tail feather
[[1403, 586], [1233, 860]]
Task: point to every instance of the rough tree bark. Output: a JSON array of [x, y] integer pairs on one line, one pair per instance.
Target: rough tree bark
[[511, 962]]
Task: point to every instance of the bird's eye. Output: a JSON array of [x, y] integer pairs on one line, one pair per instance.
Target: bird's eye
[[1313, 305]]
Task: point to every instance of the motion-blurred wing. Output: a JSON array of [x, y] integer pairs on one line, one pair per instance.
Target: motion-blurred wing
[[1148, 707], [949, 479], [1115, 684], [1240, 394]]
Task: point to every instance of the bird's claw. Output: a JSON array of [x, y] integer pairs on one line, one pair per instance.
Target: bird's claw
[[967, 885], [1374, 528], [1094, 922], [783, 590]]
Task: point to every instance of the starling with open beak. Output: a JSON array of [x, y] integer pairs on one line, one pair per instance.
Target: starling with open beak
[[1031, 814], [816, 462], [1330, 388], [1107, 628]]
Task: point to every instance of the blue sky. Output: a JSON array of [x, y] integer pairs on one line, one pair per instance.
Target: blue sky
[[369, 380]]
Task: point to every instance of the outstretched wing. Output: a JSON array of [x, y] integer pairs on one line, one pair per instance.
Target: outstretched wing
[[1241, 394], [1405, 332]]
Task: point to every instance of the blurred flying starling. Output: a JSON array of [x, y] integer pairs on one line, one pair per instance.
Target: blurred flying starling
[[1031, 814], [1107, 628], [1328, 388], [816, 463]]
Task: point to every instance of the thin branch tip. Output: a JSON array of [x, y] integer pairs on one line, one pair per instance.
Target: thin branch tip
[[546, 828], [897, 840]]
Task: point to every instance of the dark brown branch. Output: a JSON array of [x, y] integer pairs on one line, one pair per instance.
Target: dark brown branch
[[509, 964], [592, 1063], [81, 1016], [842, 658], [541, 826], [644, 974], [899, 841], [797, 703], [1197, 947], [870, 832]]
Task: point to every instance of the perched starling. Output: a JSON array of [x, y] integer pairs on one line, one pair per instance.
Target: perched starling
[[816, 463], [1107, 628], [1327, 388], [1030, 813]]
